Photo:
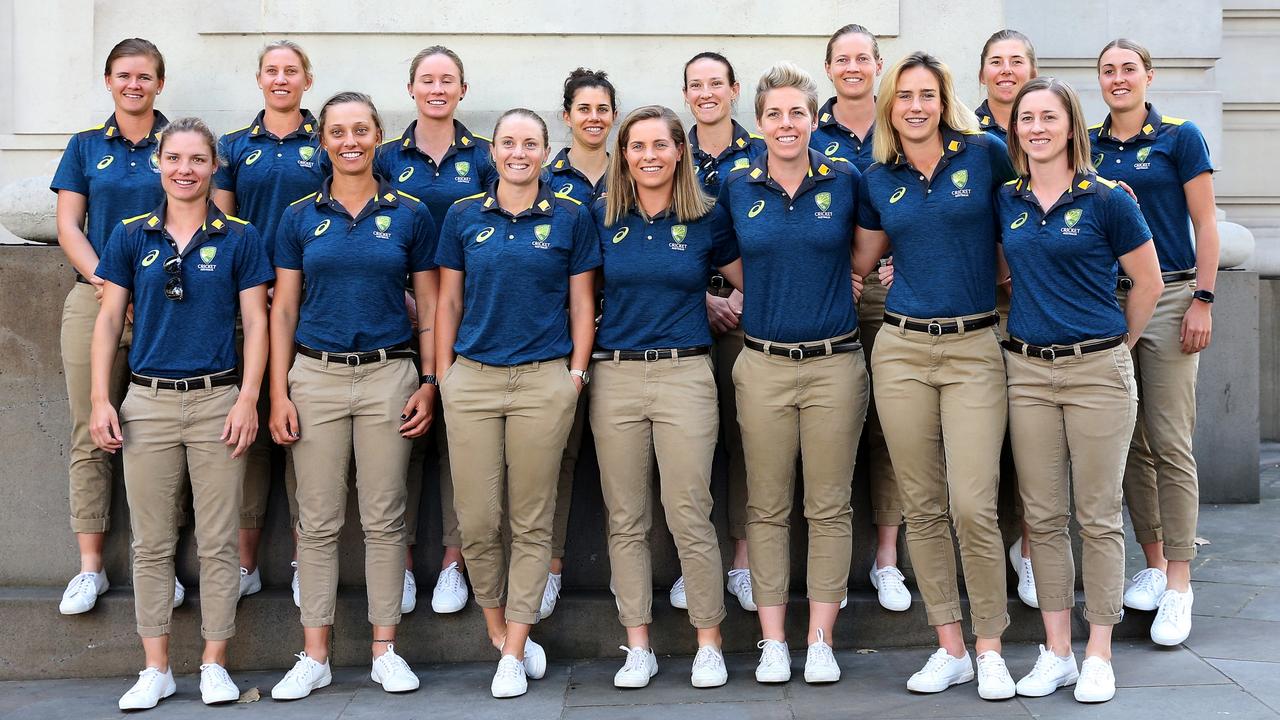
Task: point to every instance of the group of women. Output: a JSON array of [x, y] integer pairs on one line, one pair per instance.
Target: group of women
[[375, 289]]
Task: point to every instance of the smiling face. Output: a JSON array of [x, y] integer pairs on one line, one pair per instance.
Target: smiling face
[[134, 82], [186, 166], [1123, 79], [917, 105], [350, 135], [708, 92], [437, 87], [786, 122], [853, 67], [1005, 69], [652, 155], [1044, 127], [590, 117], [519, 150], [283, 80]]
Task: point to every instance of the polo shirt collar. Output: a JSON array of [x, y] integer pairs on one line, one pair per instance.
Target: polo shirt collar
[[827, 114], [741, 138], [544, 204], [560, 163], [1084, 183], [462, 138], [111, 131], [953, 144], [986, 119], [1148, 132], [820, 168], [308, 125], [386, 196]]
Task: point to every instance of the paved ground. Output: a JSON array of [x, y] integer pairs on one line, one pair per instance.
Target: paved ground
[[1229, 668]]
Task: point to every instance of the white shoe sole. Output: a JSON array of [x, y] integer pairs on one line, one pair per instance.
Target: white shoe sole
[[1098, 698], [324, 683], [1142, 607], [773, 677], [987, 694], [167, 693], [826, 676], [1065, 682], [442, 608], [929, 689], [509, 692], [373, 675], [715, 682], [228, 698], [630, 683], [1170, 641]]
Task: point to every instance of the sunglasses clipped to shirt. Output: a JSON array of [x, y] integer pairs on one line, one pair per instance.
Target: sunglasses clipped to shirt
[[173, 288]]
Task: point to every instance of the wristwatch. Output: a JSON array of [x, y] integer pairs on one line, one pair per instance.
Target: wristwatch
[[1205, 296], [428, 380], [582, 374]]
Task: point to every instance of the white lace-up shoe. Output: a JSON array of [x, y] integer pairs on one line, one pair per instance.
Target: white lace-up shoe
[[392, 672], [152, 687], [295, 586], [820, 664], [550, 596], [1049, 673], [890, 589], [708, 668], [216, 686], [1173, 618], [1145, 590], [994, 682], [409, 593], [1097, 681], [509, 680], [179, 592], [250, 582], [82, 592], [451, 593], [740, 585], [640, 665], [775, 662], [305, 675], [535, 660], [940, 672], [677, 595], [1026, 576]]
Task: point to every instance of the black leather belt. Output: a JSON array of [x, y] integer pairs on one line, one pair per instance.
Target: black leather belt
[[403, 350], [1053, 352], [650, 355], [1124, 282], [936, 327], [204, 382], [801, 351]]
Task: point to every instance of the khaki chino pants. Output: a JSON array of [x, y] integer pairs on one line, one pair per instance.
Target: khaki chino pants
[[667, 407], [886, 508], [725, 350]]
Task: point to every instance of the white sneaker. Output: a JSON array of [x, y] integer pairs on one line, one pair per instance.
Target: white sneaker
[[179, 592], [1097, 681], [152, 687], [994, 682], [305, 675], [409, 594], [1049, 673], [678, 598], [250, 582], [451, 593], [890, 590], [708, 668], [550, 596], [297, 588], [1026, 576], [216, 686], [1173, 619], [640, 665], [740, 585], [775, 662], [535, 660], [1147, 588], [82, 592], [392, 672], [509, 680], [941, 672], [820, 664]]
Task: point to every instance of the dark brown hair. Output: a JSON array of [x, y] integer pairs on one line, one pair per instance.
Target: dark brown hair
[[135, 47]]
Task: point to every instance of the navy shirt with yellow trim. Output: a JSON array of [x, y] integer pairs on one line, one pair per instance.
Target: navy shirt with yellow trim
[[835, 140], [565, 179], [1163, 157], [987, 121], [655, 277], [517, 268], [1063, 260], [466, 168], [118, 178], [795, 250], [267, 172], [713, 171], [942, 230], [354, 268], [196, 335]]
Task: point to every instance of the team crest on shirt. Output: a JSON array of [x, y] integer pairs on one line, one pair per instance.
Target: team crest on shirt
[[150, 258], [1143, 154], [305, 153], [405, 175], [620, 235], [540, 235], [252, 158], [678, 234], [1072, 217], [207, 254], [106, 161], [831, 149], [154, 160], [823, 200], [463, 169], [897, 195], [383, 224], [756, 209], [960, 178]]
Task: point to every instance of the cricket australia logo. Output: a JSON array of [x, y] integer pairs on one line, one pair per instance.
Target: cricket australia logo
[[823, 200], [959, 179], [1071, 218], [540, 235], [207, 254], [383, 224], [678, 233], [305, 154], [1141, 159], [462, 170]]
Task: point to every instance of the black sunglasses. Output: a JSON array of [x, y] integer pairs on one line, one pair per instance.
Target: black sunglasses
[[173, 288]]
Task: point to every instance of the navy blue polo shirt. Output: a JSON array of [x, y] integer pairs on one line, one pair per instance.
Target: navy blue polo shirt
[[795, 251], [987, 122], [835, 140], [196, 335], [517, 268], [1064, 260], [565, 179], [267, 172], [354, 269], [119, 179], [942, 230], [1164, 156], [655, 277], [712, 171], [466, 168]]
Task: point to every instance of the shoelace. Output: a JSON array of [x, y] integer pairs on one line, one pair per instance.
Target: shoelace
[[937, 662], [394, 662], [451, 577], [301, 671], [146, 678], [743, 580], [1171, 606], [637, 658], [410, 582], [1092, 671], [219, 676], [891, 577], [1045, 664], [772, 653], [83, 583], [509, 668], [1145, 580], [993, 668], [679, 586], [707, 657], [820, 651]]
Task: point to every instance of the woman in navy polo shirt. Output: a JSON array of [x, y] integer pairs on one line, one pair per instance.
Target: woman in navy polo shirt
[[939, 376], [105, 175], [719, 144], [1166, 162], [187, 268], [801, 382], [1072, 395], [343, 379], [440, 161], [514, 331], [267, 164], [654, 387]]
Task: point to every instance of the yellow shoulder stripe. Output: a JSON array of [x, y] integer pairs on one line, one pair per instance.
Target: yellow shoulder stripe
[[233, 132], [1106, 182], [135, 218], [470, 197], [394, 139], [1096, 127], [755, 136], [837, 159], [405, 194], [301, 199], [482, 137], [1170, 120], [233, 218], [1014, 181], [99, 126], [972, 132], [570, 199]]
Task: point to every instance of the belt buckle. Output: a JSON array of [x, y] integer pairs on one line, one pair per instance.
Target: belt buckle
[[1047, 353], [1126, 283], [717, 282], [934, 328], [352, 359], [181, 385], [651, 355], [796, 353]]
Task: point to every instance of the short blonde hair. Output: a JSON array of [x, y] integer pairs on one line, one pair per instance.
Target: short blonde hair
[[1078, 151], [687, 198], [955, 114], [786, 75], [286, 45]]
